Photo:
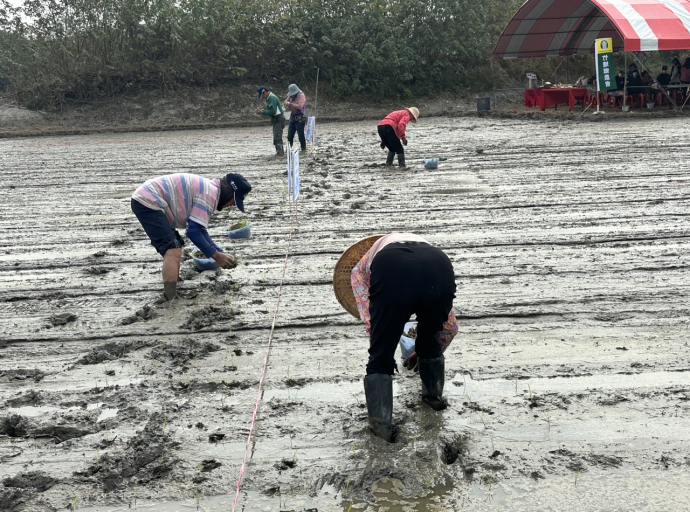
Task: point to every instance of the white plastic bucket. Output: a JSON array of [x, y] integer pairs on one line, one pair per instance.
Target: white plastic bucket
[[287, 114], [407, 344]]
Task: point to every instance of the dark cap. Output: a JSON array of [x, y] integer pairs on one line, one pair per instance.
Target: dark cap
[[261, 90], [240, 187]]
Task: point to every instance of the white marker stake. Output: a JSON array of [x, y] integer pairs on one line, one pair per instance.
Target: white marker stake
[[295, 176], [289, 170]]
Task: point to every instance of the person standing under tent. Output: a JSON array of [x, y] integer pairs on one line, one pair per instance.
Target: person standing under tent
[[296, 103], [675, 71], [392, 133], [274, 110], [685, 72]]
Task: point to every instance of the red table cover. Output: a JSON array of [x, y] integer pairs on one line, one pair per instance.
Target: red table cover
[[562, 96], [533, 97]]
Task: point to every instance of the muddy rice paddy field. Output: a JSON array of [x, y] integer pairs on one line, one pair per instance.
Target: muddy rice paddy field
[[569, 381]]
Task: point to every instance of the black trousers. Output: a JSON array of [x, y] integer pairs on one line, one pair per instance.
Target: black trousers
[[299, 128], [408, 278], [390, 139]]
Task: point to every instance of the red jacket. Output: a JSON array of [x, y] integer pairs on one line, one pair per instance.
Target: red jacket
[[398, 120]]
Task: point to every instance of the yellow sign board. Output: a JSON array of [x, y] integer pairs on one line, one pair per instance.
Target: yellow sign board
[[605, 45]]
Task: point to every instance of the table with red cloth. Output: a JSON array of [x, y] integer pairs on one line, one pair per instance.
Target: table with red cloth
[[533, 97], [562, 96]]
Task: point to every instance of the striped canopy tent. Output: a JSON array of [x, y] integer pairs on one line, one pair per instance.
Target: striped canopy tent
[[543, 28]]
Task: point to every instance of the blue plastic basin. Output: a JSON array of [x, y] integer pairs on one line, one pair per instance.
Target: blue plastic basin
[[204, 263], [431, 163], [244, 232]]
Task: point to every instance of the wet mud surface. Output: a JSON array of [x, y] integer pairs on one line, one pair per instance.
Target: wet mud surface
[[568, 383]]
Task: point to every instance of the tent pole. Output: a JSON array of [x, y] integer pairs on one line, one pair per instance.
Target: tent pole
[[598, 100], [316, 112], [625, 81], [493, 82], [316, 94]]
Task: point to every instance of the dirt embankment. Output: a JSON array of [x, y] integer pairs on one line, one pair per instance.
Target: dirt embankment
[[224, 107]]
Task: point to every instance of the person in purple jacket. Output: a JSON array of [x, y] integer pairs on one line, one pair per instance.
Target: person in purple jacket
[[178, 201], [296, 103]]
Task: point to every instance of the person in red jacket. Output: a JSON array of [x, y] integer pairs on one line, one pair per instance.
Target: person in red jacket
[[392, 133]]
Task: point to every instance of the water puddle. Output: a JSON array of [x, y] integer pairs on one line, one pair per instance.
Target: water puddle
[[32, 411], [463, 386], [494, 388], [590, 490], [595, 489], [549, 422], [544, 422], [342, 392], [464, 190], [389, 496], [105, 414], [248, 501], [97, 383]]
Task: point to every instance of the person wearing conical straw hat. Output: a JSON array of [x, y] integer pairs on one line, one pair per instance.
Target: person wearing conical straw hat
[[383, 280], [392, 133]]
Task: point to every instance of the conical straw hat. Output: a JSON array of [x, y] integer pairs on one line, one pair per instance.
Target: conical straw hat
[[342, 286]]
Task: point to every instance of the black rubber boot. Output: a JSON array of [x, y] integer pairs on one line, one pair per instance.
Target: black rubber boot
[[279, 150], [432, 373], [389, 158], [378, 389], [401, 160]]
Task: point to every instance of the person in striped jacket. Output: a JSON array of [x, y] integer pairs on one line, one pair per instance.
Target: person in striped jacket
[[185, 201]]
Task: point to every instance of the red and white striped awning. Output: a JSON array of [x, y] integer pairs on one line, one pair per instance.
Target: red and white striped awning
[[544, 28]]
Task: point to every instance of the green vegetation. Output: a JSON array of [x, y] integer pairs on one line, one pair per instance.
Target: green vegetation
[[56, 53], [242, 223], [52, 53]]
